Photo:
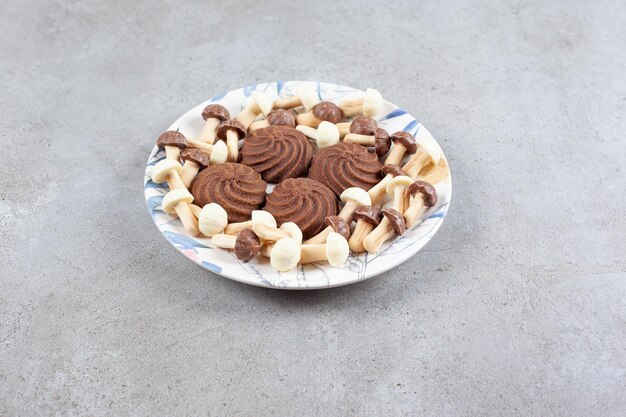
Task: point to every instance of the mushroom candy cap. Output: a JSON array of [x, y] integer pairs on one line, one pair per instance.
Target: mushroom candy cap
[[337, 249], [405, 139], [362, 125], [247, 245], [327, 111], [396, 220], [281, 117], [382, 141], [172, 138], [339, 225], [392, 169], [368, 214], [428, 192], [227, 125], [215, 111], [196, 156]]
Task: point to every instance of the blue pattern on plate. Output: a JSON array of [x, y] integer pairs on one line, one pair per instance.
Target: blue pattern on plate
[[184, 242], [395, 113], [154, 202]]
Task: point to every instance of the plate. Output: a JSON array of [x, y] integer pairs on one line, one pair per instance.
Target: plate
[[317, 275]]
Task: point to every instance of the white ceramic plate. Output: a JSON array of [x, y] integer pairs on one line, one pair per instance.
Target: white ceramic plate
[[317, 275]]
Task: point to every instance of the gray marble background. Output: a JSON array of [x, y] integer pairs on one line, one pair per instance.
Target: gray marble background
[[516, 307]]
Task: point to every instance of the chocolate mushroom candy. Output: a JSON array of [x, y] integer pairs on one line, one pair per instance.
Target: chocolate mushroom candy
[[291, 228], [361, 125], [177, 201], [212, 219], [246, 244], [371, 104], [423, 196], [393, 224], [285, 254], [173, 141], [333, 224], [436, 174], [427, 152], [259, 103], [378, 191], [335, 251], [403, 143], [278, 117], [213, 114], [195, 160], [324, 111], [305, 96], [257, 217], [380, 140], [217, 152], [352, 198], [367, 218], [168, 170], [231, 131], [325, 135]]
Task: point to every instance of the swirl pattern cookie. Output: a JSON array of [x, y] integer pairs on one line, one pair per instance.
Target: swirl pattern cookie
[[277, 153], [345, 165], [303, 201], [237, 188]]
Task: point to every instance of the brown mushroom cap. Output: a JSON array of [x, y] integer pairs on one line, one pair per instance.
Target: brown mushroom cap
[[339, 225], [429, 194], [247, 245], [195, 155], [382, 141], [396, 220], [227, 125], [368, 214], [394, 170], [405, 139], [172, 138], [215, 111], [327, 111], [281, 117], [363, 125]]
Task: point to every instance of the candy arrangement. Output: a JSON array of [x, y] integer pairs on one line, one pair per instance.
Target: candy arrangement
[[342, 182]]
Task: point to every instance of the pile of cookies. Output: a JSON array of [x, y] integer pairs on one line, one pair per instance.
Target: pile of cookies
[[342, 182]]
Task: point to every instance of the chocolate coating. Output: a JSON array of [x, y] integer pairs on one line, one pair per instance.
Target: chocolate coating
[[277, 153], [172, 138], [303, 201], [396, 220], [215, 111], [247, 245], [227, 125], [429, 194], [405, 139], [367, 214], [196, 156], [339, 225], [394, 170], [345, 165], [281, 117], [327, 111], [237, 188], [363, 125], [382, 141]]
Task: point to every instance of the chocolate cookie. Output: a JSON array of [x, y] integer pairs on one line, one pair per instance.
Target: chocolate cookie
[[277, 153], [345, 165], [235, 187], [303, 201]]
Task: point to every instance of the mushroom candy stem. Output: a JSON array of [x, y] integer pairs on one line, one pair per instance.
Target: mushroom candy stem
[[246, 244], [172, 141], [177, 201], [380, 140], [324, 111], [423, 196], [325, 135], [213, 114], [378, 191], [427, 152], [385, 229], [335, 251], [292, 230], [259, 103], [305, 96], [391, 225], [257, 217], [403, 143], [367, 217], [371, 104], [352, 198], [168, 170]]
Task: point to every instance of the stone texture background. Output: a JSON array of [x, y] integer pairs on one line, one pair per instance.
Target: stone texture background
[[516, 307]]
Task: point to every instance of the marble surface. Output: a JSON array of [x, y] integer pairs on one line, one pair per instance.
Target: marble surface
[[516, 307]]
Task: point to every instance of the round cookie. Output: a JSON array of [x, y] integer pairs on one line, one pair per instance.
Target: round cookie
[[237, 188], [277, 153], [345, 165], [303, 201]]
